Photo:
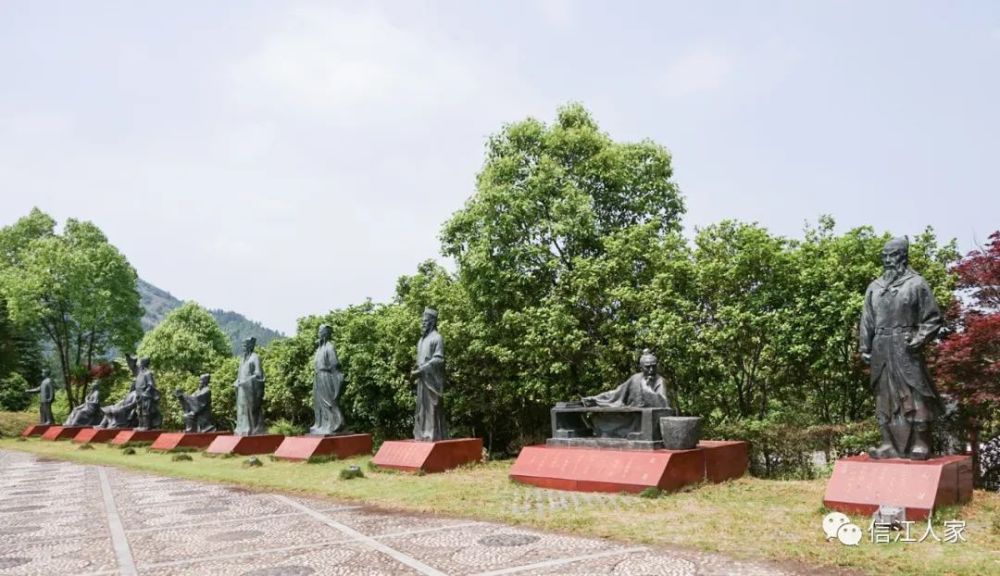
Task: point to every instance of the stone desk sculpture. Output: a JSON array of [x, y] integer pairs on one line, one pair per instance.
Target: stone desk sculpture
[[624, 427], [615, 441]]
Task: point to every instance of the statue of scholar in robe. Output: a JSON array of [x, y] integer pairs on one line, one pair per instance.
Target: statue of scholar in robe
[[428, 421], [197, 407], [645, 389], [88, 413], [250, 392], [46, 394], [147, 409], [899, 317], [326, 387]]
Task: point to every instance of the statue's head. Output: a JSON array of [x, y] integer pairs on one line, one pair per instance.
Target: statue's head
[[647, 363], [204, 380], [46, 373], [325, 332], [896, 254], [429, 320], [249, 344], [144, 363]]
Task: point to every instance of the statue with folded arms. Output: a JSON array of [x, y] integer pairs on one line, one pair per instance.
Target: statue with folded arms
[[326, 386], [250, 392]]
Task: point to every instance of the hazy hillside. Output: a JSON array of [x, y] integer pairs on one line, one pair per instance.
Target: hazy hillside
[[157, 303]]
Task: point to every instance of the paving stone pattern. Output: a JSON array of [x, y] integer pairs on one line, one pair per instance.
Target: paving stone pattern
[[60, 518]]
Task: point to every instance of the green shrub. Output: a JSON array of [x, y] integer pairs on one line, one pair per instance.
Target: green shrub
[[651, 492], [181, 457], [252, 462], [286, 428], [12, 396], [784, 450]]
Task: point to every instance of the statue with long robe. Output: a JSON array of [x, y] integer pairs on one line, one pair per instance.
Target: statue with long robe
[[46, 394], [197, 407], [147, 397], [326, 387], [89, 413], [645, 389], [899, 317], [428, 421], [250, 392]]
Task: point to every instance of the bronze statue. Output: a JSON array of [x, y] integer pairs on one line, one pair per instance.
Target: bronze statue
[[147, 410], [122, 413], [46, 394], [428, 421], [250, 392], [645, 389], [88, 413], [326, 386], [197, 407], [900, 316]]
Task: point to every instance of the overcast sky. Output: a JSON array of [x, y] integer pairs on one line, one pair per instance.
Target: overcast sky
[[286, 158]]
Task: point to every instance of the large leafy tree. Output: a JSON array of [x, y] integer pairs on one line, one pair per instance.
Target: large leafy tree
[[75, 287], [552, 249]]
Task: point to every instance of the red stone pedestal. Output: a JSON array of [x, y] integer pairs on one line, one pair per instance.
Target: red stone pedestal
[[725, 459], [413, 456], [342, 446], [131, 436], [35, 430], [88, 435], [859, 484], [245, 445], [611, 470], [62, 432], [168, 441]]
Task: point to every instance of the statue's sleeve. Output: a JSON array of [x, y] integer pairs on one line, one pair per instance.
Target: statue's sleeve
[[437, 356], [866, 331], [929, 315], [258, 369]]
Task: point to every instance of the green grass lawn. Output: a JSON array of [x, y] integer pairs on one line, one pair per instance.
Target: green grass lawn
[[747, 518]]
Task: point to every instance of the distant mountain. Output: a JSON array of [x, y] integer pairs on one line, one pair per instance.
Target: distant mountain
[[158, 303]]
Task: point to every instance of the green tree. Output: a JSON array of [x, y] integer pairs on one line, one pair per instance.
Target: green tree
[[188, 340], [78, 289], [552, 250]]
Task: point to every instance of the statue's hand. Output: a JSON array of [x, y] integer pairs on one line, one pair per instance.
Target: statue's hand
[[914, 345], [866, 357]]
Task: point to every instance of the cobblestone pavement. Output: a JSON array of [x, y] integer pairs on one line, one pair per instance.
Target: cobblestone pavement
[[71, 519]]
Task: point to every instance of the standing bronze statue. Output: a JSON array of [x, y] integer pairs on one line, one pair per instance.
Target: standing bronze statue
[[428, 421], [197, 407], [147, 397], [326, 386], [46, 394], [900, 316], [250, 392]]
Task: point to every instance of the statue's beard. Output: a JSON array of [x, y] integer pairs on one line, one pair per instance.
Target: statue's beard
[[891, 273]]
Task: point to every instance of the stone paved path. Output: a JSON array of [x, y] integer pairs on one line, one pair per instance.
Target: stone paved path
[[66, 519]]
